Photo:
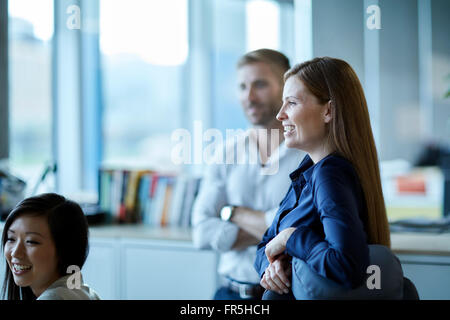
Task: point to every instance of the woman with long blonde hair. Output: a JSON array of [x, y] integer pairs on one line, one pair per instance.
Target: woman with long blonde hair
[[334, 208]]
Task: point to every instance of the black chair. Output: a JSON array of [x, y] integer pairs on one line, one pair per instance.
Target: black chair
[[409, 290]]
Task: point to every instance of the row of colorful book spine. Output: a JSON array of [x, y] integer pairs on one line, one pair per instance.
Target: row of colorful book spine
[[148, 197]]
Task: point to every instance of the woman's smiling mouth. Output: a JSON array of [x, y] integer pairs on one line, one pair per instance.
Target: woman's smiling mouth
[[288, 129], [20, 268]]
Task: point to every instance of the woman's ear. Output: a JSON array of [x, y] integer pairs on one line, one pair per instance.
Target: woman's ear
[[328, 115]]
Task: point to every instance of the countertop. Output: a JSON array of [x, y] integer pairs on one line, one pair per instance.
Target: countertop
[[401, 242]]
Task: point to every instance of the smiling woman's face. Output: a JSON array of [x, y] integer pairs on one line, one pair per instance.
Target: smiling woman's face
[[303, 117], [31, 253]]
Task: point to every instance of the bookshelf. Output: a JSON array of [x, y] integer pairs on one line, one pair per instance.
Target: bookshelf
[[151, 198]]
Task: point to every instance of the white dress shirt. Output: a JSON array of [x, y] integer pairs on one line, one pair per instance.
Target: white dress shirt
[[243, 181]]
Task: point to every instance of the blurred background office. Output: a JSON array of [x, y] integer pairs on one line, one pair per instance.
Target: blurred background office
[[90, 84], [106, 82]]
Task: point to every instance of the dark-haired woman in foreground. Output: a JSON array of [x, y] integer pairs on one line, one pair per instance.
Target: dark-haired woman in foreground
[[45, 239], [334, 208]]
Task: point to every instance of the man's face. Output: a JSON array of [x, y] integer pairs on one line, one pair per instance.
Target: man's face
[[260, 92]]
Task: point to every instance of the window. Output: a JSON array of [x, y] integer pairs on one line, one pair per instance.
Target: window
[[263, 24], [267, 24], [30, 61], [144, 49]]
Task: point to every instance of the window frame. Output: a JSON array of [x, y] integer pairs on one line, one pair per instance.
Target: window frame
[[4, 83], [77, 143]]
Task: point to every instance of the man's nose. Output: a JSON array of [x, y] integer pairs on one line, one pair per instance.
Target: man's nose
[[251, 94]]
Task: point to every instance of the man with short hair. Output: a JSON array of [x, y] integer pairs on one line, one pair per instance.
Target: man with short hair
[[237, 201]]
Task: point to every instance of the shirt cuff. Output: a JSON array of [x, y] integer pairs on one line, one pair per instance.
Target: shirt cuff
[[225, 236], [301, 242]]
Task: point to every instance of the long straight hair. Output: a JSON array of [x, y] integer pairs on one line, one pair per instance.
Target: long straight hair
[[68, 228], [349, 132]]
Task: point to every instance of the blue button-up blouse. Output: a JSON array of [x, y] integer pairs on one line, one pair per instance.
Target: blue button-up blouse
[[325, 203]]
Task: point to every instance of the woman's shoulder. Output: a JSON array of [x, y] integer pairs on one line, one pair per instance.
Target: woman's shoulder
[[60, 291], [334, 167], [336, 178], [68, 294], [334, 160]]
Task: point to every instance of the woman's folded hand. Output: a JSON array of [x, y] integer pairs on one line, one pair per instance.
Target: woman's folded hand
[[277, 275]]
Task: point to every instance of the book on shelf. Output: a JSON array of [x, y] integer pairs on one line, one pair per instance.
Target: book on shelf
[[190, 195], [148, 197], [164, 214], [143, 193], [178, 196], [158, 200], [131, 196]]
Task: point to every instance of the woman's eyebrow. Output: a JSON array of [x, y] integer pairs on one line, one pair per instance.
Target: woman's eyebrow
[[291, 97], [34, 232], [29, 232]]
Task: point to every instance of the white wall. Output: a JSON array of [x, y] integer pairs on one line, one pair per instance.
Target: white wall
[[398, 65]]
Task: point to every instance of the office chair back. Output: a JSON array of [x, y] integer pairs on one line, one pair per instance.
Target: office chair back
[[309, 285]]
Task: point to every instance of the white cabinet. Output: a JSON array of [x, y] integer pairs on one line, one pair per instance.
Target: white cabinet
[[138, 269], [429, 273], [102, 268], [159, 270]]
